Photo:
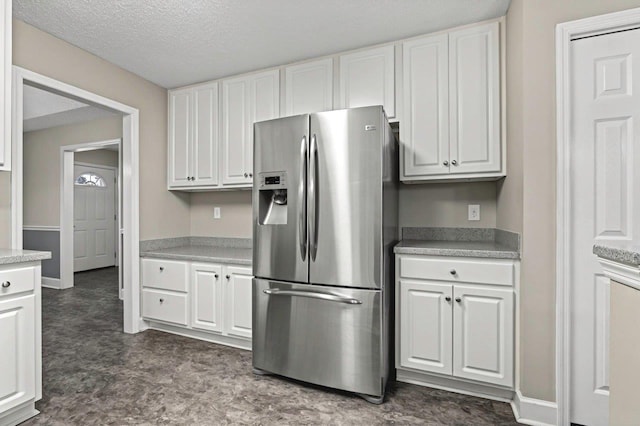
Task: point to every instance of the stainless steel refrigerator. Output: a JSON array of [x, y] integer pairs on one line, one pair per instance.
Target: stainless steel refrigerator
[[325, 217]]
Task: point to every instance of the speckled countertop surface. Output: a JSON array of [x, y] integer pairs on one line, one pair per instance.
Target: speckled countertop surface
[[237, 256], [9, 256], [622, 252], [487, 249]]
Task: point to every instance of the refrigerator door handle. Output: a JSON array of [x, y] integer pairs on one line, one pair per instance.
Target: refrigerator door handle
[[313, 295], [313, 205], [302, 200]]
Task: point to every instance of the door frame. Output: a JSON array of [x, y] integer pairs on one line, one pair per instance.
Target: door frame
[[565, 33], [67, 198], [130, 173]]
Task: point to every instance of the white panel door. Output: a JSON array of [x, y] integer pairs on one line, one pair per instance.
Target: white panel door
[[474, 99], [206, 297], [604, 201], [309, 87], [426, 326], [368, 78], [180, 122], [238, 301], [206, 134], [483, 334], [264, 105], [425, 116], [94, 220], [17, 351], [235, 130]]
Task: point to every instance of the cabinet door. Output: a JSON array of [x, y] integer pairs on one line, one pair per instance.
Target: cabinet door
[[474, 99], [264, 103], [368, 78], [235, 130], [309, 87], [206, 297], [205, 135], [425, 326], [425, 133], [5, 85], [17, 351], [180, 122], [483, 334], [238, 298]]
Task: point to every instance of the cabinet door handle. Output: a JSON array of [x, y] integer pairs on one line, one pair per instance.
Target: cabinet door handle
[[215, 276], [250, 174], [228, 277], [246, 175], [161, 300], [453, 272], [448, 299], [6, 284], [445, 163], [454, 162], [161, 268], [458, 300]]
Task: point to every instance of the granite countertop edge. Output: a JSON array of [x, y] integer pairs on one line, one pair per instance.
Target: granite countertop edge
[[626, 255], [172, 254], [8, 257], [434, 248]]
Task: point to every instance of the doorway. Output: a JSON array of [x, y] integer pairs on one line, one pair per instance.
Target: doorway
[[598, 191], [130, 189]]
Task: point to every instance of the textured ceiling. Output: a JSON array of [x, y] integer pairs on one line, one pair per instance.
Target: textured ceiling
[[178, 42]]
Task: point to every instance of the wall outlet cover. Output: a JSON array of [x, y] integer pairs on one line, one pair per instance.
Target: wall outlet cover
[[216, 212], [474, 211]]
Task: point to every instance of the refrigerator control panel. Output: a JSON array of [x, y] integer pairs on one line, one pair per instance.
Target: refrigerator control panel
[[273, 180]]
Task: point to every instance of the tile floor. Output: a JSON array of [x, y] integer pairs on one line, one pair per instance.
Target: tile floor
[[95, 374]]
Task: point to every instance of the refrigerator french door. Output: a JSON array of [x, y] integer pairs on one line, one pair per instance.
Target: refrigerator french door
[[320, 261]]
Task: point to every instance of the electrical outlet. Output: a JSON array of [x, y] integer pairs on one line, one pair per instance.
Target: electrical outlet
[[216, 212], [474, 211]]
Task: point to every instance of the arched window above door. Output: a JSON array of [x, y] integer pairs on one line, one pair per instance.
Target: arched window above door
[[90, 179]]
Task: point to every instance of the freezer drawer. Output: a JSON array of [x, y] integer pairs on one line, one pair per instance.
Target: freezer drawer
[[330, 336]]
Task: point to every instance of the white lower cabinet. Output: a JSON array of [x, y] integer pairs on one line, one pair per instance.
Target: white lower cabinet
[[214, 302], [20, 342], [447, 327]]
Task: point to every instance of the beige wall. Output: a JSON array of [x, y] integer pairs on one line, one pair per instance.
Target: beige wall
[[42, 165], [162, 213], [531, 91], [104, 157], [235, 217]]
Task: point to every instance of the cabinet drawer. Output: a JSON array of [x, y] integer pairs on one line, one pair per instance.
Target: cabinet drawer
[[17, 280], [165, 274], [470, 271], [164, 306]]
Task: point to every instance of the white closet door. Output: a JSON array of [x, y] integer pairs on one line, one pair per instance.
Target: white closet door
[[604, 201], [94, 220], [309, 87]]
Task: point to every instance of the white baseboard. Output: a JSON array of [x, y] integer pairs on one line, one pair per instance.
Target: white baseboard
[[531, 411], [51, 283], [202, 335]]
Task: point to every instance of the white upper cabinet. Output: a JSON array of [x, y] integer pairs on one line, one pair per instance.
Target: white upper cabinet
[[309, 87], [425, 123], [474, 99], [451, 119], [245, 100], [5, 85], [193, 137], [368, 78]]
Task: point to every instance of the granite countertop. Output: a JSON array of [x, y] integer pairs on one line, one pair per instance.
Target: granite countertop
[[9, 256], [621, 252], [486, 249], [237, 256]]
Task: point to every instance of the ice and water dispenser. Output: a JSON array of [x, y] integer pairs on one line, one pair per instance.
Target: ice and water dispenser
[[272, 202]]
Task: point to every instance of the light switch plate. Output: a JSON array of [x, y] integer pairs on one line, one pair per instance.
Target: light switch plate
[[474, 211], [216, 212]]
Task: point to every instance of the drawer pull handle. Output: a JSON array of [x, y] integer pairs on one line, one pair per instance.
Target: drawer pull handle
[[161, 300], [453, 272], [458, 300], [448, 299], [161, 268], [216, 276], [6, 284]]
